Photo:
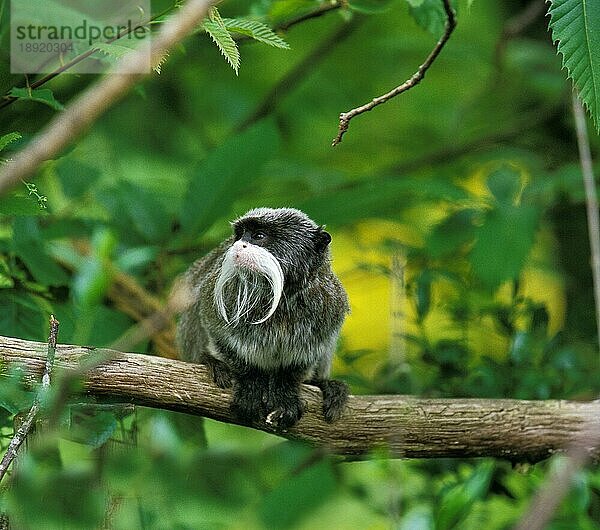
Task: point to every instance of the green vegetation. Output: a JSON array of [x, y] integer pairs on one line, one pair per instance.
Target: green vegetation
[[459, 230]]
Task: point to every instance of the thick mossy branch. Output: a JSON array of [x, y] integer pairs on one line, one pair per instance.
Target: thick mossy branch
[[405, 426]]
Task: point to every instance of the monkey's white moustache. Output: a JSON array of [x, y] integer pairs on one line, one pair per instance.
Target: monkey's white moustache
[[244, 261]]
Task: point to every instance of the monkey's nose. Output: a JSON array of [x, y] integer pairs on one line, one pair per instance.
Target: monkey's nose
[[244, 245]]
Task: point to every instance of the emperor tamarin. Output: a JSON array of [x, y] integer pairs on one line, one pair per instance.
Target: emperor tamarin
[[266, 314]]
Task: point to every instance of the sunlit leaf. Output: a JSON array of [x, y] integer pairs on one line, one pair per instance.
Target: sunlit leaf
[[220, 35], [255, 30]]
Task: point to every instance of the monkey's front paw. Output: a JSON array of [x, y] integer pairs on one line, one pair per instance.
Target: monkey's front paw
[[285, 413], [248, 403]]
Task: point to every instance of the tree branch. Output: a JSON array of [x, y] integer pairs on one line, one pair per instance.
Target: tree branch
[[93, 102], [417, 77], [406, 426]]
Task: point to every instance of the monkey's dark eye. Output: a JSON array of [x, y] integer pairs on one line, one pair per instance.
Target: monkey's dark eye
[[258, 235]]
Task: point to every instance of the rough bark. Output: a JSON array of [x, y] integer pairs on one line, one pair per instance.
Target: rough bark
[[403, 426]]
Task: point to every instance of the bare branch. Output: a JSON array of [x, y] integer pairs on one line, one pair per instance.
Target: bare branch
[[417, 77], [92, 103], [23, 430], [406, 426]]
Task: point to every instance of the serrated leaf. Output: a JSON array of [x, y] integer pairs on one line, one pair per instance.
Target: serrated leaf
[[255, 30], [575, 24], [215, 27], [8, 138], [41, 95], [113, 50]]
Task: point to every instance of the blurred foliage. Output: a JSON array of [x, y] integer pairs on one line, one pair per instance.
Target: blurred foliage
[[458, 229]]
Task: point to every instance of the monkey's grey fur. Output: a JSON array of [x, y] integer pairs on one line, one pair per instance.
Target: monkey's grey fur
[[263, 337]]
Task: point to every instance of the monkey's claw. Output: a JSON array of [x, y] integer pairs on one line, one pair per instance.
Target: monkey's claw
[[286, 415]]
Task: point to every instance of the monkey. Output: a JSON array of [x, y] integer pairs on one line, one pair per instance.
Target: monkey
[[265, 316]]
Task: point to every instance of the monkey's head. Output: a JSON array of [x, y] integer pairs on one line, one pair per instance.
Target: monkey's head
[[271, 249]]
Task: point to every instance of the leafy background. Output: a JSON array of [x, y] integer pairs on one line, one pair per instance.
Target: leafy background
[[458, 229]]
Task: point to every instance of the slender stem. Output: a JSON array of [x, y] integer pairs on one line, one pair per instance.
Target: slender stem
[[417, 77], [591, 200], [22, 432]]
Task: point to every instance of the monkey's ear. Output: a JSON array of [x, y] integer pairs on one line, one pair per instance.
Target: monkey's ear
[[323, 239]]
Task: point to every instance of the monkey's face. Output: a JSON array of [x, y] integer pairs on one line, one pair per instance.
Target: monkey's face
[[271, 249], [249, 285], [295, 241]]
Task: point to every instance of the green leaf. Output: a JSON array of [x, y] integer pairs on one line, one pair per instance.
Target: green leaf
[[575, 24], [215, 27], [505, 184], [453, 232], [430, 15], [41, 95], [293, 498], [8, 138], [503, 243], [22, 315], [94, 277], [378, 198], [369, 7], [255, 30], [457, 500], [146, 211], [29, 246], [13, 396], [220, 178], [16, 204], [91, 425], [76, 177]]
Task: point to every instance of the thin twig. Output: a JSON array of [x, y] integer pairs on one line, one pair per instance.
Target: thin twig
[[559, 483], [94, 101], [23, 430], [326, 7], [591, 201], [417, 77]]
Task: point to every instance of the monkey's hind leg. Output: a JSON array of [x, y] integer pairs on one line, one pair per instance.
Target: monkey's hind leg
[[335, 396]]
